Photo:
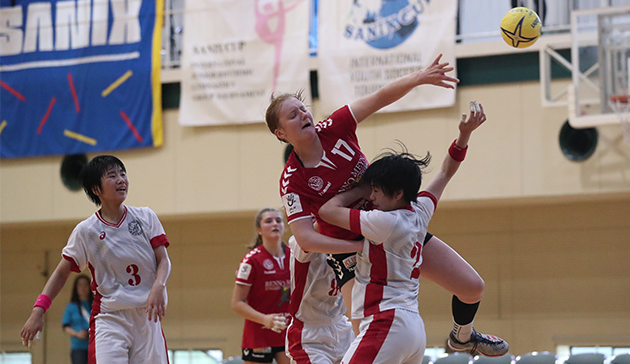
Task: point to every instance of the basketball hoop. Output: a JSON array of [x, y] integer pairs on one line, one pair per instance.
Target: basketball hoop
[[621, 106]]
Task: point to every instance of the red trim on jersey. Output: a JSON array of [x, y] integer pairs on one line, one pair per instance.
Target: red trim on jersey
[[117, 225], [73, 265], [93, 284], [159, 241], [96, 309], [378, 280], [355, 221], [429, 195], [299, 278], [407, 207], [165, 346], [295, 349], [374, 338]]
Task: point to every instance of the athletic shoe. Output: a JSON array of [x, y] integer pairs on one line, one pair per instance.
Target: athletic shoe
[[487, 345]]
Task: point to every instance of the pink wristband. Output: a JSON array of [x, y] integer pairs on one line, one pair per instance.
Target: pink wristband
[[43, 301], [456, 152]]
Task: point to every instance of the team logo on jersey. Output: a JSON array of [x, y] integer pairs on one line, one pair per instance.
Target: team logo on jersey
[[268, 264], [135, 228], [316, 183], [292, 204], [383, 24], [243, 271], [350, 262], [286, 295], [102, 236]]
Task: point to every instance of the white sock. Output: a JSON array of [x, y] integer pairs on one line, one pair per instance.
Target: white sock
[[462, 332]]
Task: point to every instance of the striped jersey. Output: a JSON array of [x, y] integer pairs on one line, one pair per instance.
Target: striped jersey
[[388, 268], [120, 257]]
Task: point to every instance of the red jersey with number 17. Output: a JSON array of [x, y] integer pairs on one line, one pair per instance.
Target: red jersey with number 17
[[305, 190]]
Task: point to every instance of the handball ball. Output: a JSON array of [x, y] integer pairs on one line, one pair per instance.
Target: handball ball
[[520, 27]]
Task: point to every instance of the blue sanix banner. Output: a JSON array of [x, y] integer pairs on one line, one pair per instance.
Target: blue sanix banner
[[79, 76]]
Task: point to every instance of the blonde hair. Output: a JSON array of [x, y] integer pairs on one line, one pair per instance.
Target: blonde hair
[[272, 117]]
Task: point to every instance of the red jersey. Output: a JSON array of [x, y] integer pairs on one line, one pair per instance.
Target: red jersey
[[270, 292], [305, 190]]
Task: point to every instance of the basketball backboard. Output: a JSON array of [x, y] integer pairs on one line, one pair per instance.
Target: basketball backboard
[[600, 57]]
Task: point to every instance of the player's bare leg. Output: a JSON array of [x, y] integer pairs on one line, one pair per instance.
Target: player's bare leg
[[282, 358], [346, 292], [444, 266]]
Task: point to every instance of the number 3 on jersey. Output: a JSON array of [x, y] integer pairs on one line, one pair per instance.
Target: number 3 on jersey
[[135, 278]]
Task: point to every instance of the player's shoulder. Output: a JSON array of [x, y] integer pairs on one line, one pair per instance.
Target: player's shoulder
[[337, 118], [140, 210], [291, 168], [88, 222], [253, 255]]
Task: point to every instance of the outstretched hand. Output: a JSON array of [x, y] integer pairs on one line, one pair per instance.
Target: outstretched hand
[[476, 118], [435, 74]]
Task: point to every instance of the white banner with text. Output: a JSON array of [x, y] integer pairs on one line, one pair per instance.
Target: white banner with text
[[364, 44], [237, 53]]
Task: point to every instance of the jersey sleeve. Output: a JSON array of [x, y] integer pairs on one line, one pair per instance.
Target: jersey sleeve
[[156, 233], [297, 252], [340, 123], [296, 207], [247, 272], [74, 251], [427, 203], [375, 225]]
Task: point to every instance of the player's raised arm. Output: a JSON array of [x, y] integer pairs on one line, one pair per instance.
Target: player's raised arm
[[435, 74], [457, 150]]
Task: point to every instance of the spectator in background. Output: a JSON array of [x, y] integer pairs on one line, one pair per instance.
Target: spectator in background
[[76, 319]]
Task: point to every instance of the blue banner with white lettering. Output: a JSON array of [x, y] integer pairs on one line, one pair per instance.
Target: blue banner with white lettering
[[79, 76]]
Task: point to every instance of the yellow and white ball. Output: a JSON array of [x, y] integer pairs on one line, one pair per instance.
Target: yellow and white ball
[[520, 27]]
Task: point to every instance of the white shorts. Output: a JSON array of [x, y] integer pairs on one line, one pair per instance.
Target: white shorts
[[392, 337], [322, 345], [127, 337]]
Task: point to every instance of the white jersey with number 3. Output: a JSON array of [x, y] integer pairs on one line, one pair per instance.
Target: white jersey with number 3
[[120, 256]]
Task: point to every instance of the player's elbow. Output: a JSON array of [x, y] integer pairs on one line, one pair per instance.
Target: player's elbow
[[325, 213], [306, 241]]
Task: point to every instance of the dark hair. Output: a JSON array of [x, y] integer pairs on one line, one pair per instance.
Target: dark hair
[[94, 170], [74, 298], [272, 117], [258, 240], [393, 172]]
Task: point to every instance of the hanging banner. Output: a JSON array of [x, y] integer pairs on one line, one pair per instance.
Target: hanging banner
[[364, 44], [79, 76], [237, 53]]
